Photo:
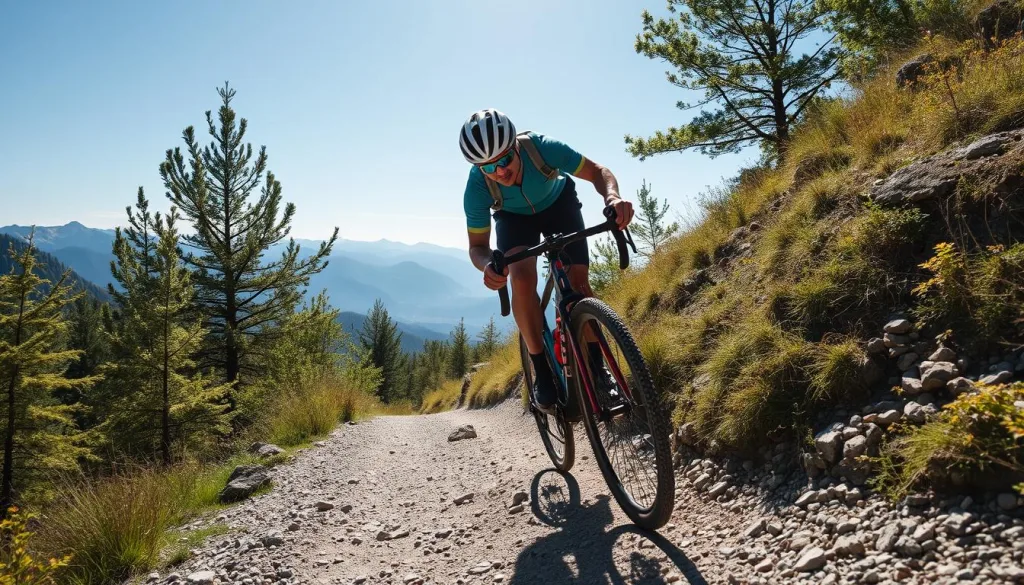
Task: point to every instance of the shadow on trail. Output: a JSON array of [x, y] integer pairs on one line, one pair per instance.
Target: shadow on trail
[[582, 548]]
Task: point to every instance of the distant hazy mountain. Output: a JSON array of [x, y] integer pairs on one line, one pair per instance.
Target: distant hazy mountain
[[48, 267], [413, 336], [433, 286]]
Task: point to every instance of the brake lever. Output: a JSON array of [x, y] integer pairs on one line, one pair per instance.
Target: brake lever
[[629, 240]]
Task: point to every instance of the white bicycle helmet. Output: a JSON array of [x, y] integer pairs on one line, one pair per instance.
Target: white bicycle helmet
[[485, 135]]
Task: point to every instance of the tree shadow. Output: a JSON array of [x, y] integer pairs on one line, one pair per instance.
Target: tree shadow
[[582, 549]]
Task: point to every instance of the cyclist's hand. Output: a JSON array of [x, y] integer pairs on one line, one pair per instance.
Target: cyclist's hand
[[623, 212], [492, 279]]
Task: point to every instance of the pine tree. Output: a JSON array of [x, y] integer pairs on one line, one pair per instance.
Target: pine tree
[[154, 397], [650, 227], [744, 55], [488, 340], [381, 338], [39, 433], [241, 295], [604, 264], [458, 354]]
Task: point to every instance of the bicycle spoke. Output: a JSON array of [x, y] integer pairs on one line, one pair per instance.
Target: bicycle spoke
[[627, 439]]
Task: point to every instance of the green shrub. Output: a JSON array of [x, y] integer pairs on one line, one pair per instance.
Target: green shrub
[[979, 296], [17, 567], [979, 432], [114, 527]]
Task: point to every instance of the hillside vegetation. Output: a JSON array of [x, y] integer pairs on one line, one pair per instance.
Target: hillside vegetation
[[756, 319]]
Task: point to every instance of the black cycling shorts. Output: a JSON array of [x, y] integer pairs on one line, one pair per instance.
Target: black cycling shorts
[[562, 217]]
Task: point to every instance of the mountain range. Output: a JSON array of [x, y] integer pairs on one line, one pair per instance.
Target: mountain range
[[426, 287]]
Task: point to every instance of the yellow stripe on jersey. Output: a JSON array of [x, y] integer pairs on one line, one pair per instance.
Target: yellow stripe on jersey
[[482, 230], [583, 159]]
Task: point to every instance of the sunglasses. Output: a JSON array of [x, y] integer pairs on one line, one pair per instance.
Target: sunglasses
[[502, 162]]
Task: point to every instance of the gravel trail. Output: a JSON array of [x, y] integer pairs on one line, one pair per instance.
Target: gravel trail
[[392, 501]]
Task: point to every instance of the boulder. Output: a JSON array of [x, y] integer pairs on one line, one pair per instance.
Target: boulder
[[243, 482], [999, 21], [899, 326], [828, 444], [269, 451], [855, 447], [463, 432], [943, 354], [914, 183], [958, 386], [937, 375], [914, 412], [811, 560], [912, 70]]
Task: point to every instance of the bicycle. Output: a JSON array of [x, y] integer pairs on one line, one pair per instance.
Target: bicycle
[[623, 414]]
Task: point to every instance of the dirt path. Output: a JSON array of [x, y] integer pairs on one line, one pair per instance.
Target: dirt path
[[402, 478]]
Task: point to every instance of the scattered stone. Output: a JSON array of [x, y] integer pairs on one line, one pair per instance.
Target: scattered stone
[[463, 499], [892, 340], [911, 386], [855, 447], [943, 354], [323, 506], [906, 361], [876, 345], [811, 560], [756, 528], [887, 538], [269, 451], [888, 417], [765, 566], [849, 545], [272, 539], [828, 444], [202, 578], [898, 326], [463, 432], [958, 386], [718, 489], [1007, 501], [243, 482], [519, 497], [937, 374], [1000, 378], [516, 509], [914, 412]]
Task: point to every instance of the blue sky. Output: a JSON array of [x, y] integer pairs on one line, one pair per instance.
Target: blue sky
[[358, 103]]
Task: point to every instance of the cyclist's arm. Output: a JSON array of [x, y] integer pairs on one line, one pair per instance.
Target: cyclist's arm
[[602, 178], [480, 248]]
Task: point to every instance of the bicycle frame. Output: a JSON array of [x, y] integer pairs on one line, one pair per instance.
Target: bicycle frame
[[565, 297]]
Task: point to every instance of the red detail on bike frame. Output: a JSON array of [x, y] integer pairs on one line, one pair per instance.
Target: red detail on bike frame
[[586, 379], [607, 352]]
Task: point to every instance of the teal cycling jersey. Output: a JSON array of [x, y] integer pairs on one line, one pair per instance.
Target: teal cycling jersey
[[536, 193]]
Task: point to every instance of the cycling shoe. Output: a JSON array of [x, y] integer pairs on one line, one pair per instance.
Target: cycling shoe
[[545, 395]]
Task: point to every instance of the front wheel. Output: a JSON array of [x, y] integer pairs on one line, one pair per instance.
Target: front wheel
[[626, 420], [555, 432]]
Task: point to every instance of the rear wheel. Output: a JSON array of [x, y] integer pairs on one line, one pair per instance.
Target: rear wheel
[[625, 418], [555, 432]]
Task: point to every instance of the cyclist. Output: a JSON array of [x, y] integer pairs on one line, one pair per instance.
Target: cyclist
[[530, 194]]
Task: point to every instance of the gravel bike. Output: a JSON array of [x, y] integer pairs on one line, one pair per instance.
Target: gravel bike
[[610, 390]]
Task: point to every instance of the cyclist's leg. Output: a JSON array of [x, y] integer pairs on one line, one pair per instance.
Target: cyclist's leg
[[525, 304], [565, 216], [514, 233]]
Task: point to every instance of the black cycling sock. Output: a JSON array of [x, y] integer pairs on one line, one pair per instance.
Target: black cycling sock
[[540, 365], [544, 391]]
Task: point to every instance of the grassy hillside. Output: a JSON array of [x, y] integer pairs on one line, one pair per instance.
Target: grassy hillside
[[756, 319]]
